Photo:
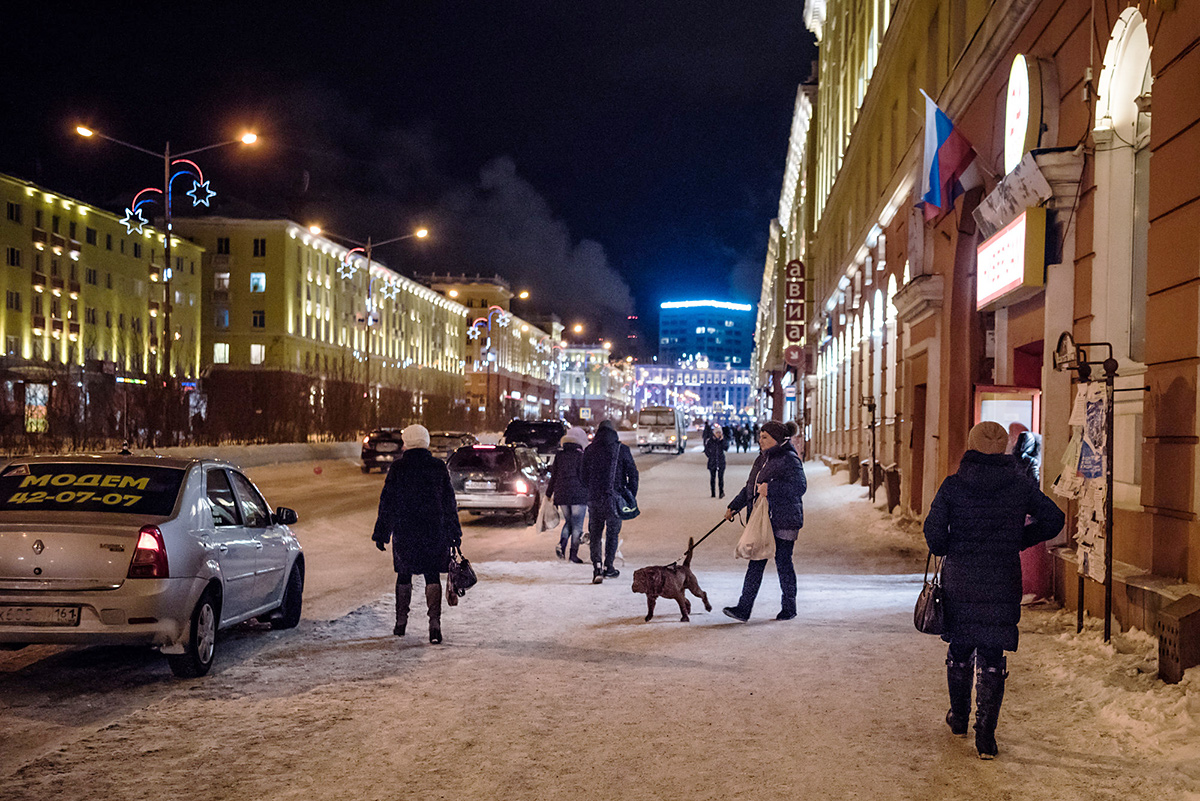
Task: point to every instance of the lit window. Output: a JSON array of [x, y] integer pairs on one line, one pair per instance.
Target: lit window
[[258, 282], [220, 353], [257, 353], [221, 281], [700, 330]]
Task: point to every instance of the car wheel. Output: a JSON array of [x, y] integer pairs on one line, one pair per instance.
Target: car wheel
[[365, 469], [201, 645], [293, 600]]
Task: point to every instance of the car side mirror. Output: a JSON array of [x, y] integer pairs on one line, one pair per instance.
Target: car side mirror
[[284, 516]]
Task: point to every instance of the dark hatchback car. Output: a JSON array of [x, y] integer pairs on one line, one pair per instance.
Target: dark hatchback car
[[380, 448], [498, 480], [541, 435], [443, 443]]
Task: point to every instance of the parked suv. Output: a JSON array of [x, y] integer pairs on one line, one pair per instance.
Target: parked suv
[[498, 479], [541, 435], [380, 448], [444, 443]]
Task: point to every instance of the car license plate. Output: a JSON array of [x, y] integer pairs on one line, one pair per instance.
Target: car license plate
[[477, 486], [39, 615]]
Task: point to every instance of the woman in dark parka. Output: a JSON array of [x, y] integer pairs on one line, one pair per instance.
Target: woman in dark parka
[[714, 449], [418, 513], [778, 476], [978, 522], [567, 492]]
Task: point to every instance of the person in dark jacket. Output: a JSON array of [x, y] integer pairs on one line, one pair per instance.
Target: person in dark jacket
[[1027, 451], [418, 514], [714, 449], [608, 469], [567, 492], [981, 519], [778, 477]]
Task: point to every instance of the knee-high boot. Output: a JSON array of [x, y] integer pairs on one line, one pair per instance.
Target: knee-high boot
[[403, 600], [959, 677], [989, 693], [433, 599]]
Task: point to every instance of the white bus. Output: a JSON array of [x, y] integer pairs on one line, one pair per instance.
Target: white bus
[[661, 427]]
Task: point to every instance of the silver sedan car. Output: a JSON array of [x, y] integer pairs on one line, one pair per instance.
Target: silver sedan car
[[156, 551]]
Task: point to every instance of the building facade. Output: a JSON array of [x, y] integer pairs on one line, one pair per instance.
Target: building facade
[[718, 393], [84, 346], [595, 388], [1089, 198], [302, 337], [512, 365], [705, 329]]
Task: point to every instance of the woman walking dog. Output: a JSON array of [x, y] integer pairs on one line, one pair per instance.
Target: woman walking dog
[[981, 519]]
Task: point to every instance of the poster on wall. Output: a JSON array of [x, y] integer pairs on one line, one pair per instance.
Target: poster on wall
[[1082, 479]]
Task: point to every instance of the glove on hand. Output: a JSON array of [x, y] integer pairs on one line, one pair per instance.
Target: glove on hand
[[380, 545]]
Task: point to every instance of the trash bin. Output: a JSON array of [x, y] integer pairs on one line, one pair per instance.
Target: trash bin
[[864, 472], [1178, 638], [891, 485], [855, 469]]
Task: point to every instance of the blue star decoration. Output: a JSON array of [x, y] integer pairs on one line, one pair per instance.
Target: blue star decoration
[[200, 193], [347, 269], [134, 219], [473, 332], [390, 290]]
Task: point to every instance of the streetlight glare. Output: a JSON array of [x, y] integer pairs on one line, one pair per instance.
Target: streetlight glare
[[315, 230], [82, 131], [249, 138], [578, 329], [422, 233], [524, 294]]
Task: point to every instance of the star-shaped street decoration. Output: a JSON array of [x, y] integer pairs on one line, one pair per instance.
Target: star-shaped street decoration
[[134, 220], [347, 268], [473, 332], [200, 193], [390, 290], [504, 319]]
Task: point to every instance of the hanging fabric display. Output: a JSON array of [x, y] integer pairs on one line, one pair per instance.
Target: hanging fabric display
[[1082, 478]]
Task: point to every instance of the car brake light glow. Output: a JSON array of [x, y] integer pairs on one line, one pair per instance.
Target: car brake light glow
[[521, 486], [150, 556], [483, 447]]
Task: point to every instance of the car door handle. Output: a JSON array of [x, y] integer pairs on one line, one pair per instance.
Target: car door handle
[[222, 547]]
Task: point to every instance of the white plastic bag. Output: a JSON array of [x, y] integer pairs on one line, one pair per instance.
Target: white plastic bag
[[548, 516], [758, 538]]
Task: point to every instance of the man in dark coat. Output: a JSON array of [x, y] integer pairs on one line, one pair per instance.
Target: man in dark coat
[[608, 469], [418, 513], [978, 522]]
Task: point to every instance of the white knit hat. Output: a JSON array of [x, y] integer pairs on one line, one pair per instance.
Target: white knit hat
[[415, 436]]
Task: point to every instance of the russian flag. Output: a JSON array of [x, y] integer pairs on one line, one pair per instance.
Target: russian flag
[[949, 163]]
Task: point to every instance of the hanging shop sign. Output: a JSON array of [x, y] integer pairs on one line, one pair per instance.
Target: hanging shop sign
[[794, 294], [1011, 265]]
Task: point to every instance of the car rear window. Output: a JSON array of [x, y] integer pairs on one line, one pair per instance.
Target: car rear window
[[486, 459], [536, 434], [90, 487]]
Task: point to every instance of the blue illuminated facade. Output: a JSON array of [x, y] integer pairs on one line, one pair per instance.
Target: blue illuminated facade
[[711, 330]]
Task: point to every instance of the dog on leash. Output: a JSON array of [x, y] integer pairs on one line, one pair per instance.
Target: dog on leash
[[669, 581]]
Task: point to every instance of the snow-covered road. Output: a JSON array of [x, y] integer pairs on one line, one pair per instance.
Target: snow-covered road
[[550, 687]]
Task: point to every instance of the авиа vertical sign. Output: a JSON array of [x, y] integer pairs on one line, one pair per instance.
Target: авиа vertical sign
[[793, 312]]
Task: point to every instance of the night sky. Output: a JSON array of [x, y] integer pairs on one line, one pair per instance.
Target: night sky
[[605, 155]]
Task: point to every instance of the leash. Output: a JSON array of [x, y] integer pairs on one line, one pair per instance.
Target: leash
[[702, 539]]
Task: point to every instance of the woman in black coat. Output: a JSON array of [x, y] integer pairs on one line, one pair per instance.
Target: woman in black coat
[[567, 492], [418, 513], [981, 519], [714, 449], [778, 476]]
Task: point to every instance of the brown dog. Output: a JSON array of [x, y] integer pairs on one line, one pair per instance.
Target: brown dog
[[669, 581]]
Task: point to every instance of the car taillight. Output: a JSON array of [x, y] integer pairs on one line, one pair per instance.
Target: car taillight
[[521, 486], [150, 556]]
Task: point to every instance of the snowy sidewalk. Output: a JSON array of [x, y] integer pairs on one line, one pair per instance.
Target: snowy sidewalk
[[548, 687]]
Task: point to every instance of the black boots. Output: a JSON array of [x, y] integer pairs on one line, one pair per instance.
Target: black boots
[[989, 693], [433, 599], [959, 677], [403, 599]]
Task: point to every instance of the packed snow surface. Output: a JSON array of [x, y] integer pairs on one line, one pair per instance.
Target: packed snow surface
[[548, 687]]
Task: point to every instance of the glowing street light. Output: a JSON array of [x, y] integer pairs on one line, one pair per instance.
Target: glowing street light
[[200, 193]]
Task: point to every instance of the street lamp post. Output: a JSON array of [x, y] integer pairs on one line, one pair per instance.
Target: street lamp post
[[200, 194], [365, 248]]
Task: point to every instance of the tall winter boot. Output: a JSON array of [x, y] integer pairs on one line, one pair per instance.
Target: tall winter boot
[[959, 677], [433, 598], [989, 692], [403, 600]]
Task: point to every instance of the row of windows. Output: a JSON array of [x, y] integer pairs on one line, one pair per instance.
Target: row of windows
[[258, 282]]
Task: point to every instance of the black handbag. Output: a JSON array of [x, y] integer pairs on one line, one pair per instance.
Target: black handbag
[[461, 575], [930, 614], [627, 507]]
